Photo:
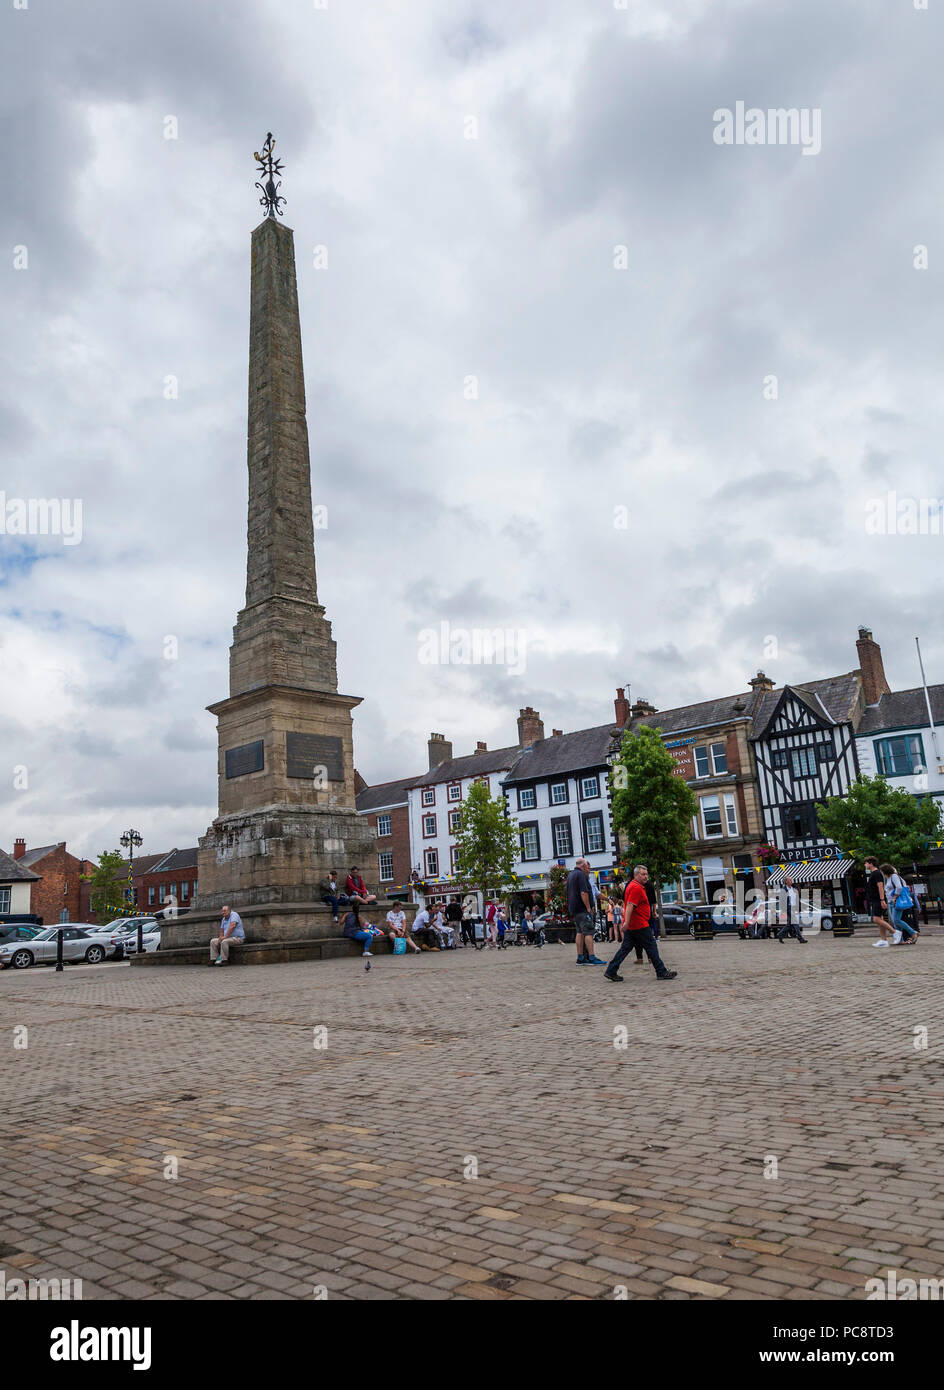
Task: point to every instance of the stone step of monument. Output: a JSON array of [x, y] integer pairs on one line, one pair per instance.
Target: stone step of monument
[[265, 952]]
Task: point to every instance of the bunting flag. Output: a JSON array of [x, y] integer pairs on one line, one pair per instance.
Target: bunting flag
[[684, 867]]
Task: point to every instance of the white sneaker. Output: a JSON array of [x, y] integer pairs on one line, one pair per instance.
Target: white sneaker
[[896, 938], [879, 943]]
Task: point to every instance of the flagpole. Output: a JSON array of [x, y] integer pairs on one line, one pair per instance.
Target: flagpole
[[927, 700]]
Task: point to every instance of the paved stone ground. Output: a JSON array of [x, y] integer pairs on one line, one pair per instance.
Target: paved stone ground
[[597, 1167]]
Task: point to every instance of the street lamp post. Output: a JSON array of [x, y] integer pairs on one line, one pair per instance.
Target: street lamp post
[[130, 841]]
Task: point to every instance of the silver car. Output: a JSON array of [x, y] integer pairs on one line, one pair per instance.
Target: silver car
[[150, 940], [123, 932], [78, 943]]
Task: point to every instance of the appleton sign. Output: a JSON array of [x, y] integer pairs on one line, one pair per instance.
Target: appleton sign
[[683, 751]]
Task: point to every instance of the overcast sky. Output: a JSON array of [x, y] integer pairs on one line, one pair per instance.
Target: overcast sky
[[449, 258]]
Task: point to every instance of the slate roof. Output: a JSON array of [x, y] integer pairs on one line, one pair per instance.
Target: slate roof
[[840, 696], [143, 864], [699, 716], [454, 769], [384, 794], [173, 861], [14, 871], [563, 753], [33, 855], [903, 709]]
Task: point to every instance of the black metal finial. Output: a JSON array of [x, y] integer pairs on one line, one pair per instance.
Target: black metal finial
[[270, 168]]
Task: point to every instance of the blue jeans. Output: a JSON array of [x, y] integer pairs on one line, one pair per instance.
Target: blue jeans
[[898, 921], [646, 938]]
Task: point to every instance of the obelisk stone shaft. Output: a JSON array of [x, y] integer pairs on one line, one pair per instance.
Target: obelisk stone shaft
[[281, 636], [281, 560], [286, 741]]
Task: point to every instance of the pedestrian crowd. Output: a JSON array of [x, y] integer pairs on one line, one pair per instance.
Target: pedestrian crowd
[[625, 919]]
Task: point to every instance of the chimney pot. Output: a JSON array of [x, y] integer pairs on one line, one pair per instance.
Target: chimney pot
[[481, 747], [761, 682], [641, 708], [557, 733]]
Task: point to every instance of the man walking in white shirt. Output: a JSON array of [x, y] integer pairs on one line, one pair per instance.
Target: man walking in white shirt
[[790, 906]]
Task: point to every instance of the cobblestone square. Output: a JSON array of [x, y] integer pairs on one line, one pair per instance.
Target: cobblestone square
[[470, 1130]]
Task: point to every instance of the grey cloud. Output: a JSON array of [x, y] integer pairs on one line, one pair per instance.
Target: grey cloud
[[450, 257], [141, 686]]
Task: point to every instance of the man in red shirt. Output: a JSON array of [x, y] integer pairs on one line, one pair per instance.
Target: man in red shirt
[[357, 889], [637, 930]]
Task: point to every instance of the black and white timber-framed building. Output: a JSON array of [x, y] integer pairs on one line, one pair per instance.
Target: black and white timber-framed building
[[805, 752]]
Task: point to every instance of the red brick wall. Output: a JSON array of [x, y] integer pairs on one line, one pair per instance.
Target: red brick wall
[[58, 887], [398, 841], [164, 879]]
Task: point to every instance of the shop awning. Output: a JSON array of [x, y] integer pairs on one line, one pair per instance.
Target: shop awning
[[811, 871]]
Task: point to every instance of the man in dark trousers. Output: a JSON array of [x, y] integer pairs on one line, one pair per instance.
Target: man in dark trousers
[[580, 907], [454, 918], [637, 928], [790, 907]]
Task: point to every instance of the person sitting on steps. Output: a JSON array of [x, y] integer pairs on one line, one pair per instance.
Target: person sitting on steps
[[357, 888], [231, 929], [331, 895], [355, 930]]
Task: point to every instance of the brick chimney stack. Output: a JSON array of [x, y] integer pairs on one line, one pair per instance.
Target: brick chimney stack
[[621, 705], [481, 747], [440, 750], [19, 849], [760, 682], [871, 666], [557, 733], [530, 727], [641, 708]]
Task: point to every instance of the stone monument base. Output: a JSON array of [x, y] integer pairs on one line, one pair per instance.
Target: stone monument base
[[275, 933], [295, 847]]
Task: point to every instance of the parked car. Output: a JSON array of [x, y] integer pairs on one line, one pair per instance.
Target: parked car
[[768, 912], [722, 916], [126, 924], [150, 941], [677, 921], [78, 943], [124, 931], [17, 931]]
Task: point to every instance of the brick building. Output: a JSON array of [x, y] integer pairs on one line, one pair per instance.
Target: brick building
[[59, 894], [710, 743], [386, 809], [162, 877]]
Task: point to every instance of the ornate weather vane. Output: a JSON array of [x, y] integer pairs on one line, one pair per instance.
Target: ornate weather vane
[[271, 169]]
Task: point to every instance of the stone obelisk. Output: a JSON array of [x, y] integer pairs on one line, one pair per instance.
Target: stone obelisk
[[286, 764]]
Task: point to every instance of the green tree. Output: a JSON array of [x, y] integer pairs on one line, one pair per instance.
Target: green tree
[[486, 841], [652, 805], [880, 820], [557, 890], [109, 881]]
